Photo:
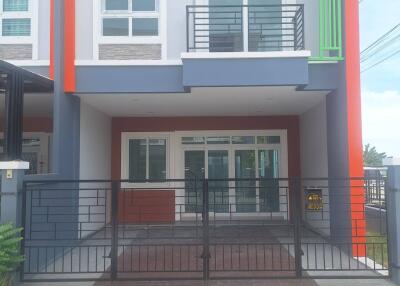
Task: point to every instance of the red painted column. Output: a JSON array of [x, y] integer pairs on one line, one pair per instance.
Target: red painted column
[[69, 44], [354, 125]]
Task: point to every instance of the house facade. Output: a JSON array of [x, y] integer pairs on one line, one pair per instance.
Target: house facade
[[149, 90]]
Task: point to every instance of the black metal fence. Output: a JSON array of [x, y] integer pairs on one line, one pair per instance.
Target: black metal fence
[[199, 229], [238, 28]]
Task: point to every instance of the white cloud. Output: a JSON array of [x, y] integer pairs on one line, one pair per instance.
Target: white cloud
[[381, 120]]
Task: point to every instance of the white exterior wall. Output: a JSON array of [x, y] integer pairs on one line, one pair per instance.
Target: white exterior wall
[[84, 29], [314, 161], [95, 144], [95, 164], [44, 30], [311, 28], [88, 27]]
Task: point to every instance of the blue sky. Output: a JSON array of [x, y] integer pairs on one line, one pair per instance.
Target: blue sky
[[381, 85]]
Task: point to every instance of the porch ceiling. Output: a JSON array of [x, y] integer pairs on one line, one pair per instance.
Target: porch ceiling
[[213, 101]]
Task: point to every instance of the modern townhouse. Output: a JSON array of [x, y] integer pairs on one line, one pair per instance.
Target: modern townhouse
[[244, 92]]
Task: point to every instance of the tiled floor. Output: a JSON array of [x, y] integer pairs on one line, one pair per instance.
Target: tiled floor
[[305, 282]]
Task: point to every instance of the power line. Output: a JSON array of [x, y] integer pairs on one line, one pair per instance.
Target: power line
[[374, 47], [377, 48], [381, 61]]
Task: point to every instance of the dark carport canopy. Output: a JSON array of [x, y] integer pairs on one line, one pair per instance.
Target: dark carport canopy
[[14, 82]]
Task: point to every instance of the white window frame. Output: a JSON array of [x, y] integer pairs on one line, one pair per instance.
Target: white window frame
[[100, 13], [125, 138], [33, 15]]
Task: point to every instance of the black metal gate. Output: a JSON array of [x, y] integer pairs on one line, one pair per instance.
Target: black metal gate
[[199, 229]]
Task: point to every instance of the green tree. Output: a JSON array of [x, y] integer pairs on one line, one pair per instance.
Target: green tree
[[10, 257], [373, 158]]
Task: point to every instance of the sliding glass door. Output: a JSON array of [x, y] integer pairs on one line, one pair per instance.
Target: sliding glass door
[[211, 164], [218, 168], [194, 174], [245, 184], [251, 162], [269, 185]]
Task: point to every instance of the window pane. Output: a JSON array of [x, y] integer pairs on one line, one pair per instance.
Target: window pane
[[144, 5], [145, 27], [15, 5], [268, 139], [117, 5], [218, 140], [157, 159], [116, 27], [137, 159], [243, 140], [192, 140], [16, 27]]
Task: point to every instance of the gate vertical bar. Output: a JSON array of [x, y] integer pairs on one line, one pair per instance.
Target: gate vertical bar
[[23, 226], [114, 229], [206, 234], [297, 211]]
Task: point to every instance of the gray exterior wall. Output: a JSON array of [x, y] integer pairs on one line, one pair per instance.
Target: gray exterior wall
[[129, 52], [16, 52]]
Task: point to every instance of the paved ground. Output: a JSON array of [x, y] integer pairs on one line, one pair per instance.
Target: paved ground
[[349, 282]]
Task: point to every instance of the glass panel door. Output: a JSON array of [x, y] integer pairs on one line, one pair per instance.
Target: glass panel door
[[268, 169], [194, 171], [265, 25], [225, 30], [245, 168], [218, 168]]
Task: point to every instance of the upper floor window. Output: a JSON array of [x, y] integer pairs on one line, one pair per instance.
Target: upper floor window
[[15, 18], [130, 18]]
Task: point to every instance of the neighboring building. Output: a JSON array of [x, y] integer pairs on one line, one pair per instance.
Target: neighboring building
[[155, 89]]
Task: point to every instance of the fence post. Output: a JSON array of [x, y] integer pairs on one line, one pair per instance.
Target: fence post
[[206, 237], [393, 218], [12, 174], [297, 218], [114, 229]]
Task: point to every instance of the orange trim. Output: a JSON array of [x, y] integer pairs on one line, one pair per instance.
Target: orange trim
[[354, 125], [69, 46], [51, 68]]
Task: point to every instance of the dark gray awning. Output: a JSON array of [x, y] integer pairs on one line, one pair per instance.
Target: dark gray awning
[[32, 82]]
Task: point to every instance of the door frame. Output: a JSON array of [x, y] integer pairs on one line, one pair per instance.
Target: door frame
[[282, 149]]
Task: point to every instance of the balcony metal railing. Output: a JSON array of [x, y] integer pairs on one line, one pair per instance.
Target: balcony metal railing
[[245, 28]]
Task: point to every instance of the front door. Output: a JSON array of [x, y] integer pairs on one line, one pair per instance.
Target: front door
[[210, 164]]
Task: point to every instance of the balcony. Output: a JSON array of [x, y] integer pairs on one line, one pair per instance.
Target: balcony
[[245, 28]]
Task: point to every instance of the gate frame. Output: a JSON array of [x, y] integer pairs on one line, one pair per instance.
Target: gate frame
[[295, 218]]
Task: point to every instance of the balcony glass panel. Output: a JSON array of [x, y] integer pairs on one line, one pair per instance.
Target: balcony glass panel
[[230, 26], [225, 29], [265, 26]]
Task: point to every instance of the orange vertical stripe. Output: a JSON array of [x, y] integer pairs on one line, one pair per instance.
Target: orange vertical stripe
[[354, 125], [51, 68], [69, 46]]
